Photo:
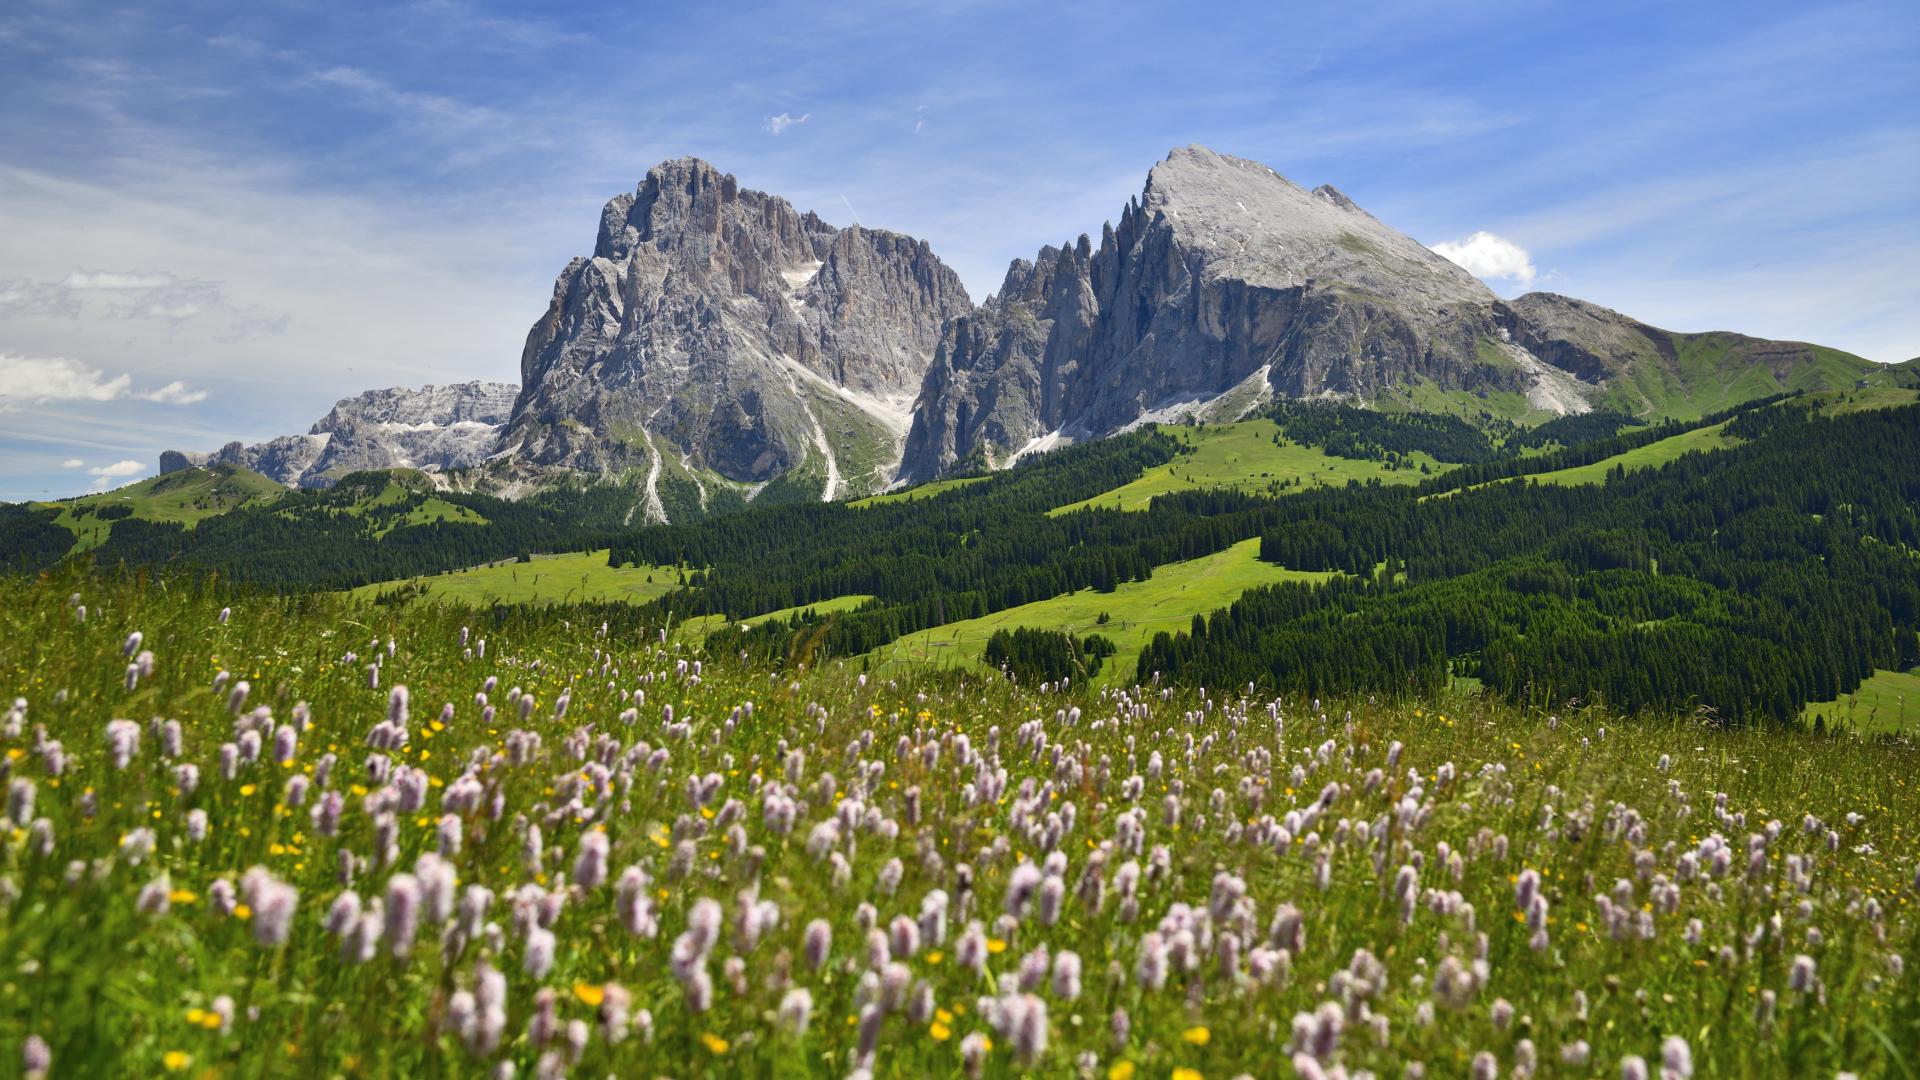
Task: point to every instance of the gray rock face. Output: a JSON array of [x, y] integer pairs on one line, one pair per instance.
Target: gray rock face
[[1223, 284], [431, 428], [716, 330]]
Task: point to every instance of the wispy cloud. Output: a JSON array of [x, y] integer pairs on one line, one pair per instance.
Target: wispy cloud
[[778, 124], [447, 115], [174, 393], [136, 294]]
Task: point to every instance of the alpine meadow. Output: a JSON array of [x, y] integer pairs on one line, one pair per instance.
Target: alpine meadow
[[1237, 640]]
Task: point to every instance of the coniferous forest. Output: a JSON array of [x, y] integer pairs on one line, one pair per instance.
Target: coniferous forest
[[1777, 570]]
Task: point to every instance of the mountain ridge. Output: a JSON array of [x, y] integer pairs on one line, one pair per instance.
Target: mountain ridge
[[432, 428], [720, 343]]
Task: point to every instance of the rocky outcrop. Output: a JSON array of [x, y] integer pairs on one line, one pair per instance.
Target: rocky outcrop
[[718, 331], [432, 428], [1222, 284]]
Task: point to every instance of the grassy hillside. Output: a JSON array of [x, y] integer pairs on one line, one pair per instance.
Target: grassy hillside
[[1889, 702], [1715, 371], [1135, 610], [1714, 437], [1651, 456], [576, 577], [187, 497], [1244, 457], [694, 631], [918, 491]]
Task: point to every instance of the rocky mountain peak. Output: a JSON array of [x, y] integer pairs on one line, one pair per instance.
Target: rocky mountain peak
[[1222, 284], [719, 336]]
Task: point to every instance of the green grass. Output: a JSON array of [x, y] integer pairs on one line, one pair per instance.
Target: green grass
[[1888, 702], [1714, 437], [695, 630], [918, 491], [1650, 456], [1714, 371], [1243, 457], [1473, 793], [1137, 610], [549, 579], [1863, 399], [433, 509], [186, 496]]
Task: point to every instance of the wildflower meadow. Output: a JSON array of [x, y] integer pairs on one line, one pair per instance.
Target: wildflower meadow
[[309, 836]]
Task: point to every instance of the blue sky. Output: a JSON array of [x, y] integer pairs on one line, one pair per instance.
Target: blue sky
[[216, 219]]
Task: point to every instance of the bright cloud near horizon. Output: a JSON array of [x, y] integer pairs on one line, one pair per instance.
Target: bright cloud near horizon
[[220, 219], [1490, 258]]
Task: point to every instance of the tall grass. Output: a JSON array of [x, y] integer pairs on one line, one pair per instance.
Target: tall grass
[[1023, 808]]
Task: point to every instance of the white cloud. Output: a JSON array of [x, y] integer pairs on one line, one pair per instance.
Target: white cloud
[[105, 475], [72, 463], [55, 378], [1490, 258], [174, 393], [777, 124], [38, 379]]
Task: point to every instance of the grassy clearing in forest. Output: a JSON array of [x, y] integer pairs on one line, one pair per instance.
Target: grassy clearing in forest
[[1136, 611], [574, 577], [694, 631], [1889, 702], [1243, 456], [240, 849]]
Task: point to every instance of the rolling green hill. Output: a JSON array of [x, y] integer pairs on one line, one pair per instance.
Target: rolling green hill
[[1134, 612], [576, 577], [1253, 457], [185, 497]]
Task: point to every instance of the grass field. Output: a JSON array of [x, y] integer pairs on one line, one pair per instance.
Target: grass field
[[567, 848], [1888, 702], [694, 631], [1137, 609], [186, 496], [1243, 456], [918, 491], [1650, 456], [548, 579]]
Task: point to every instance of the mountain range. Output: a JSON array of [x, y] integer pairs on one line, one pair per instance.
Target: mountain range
[[719, 342]]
